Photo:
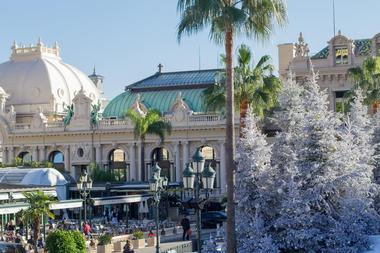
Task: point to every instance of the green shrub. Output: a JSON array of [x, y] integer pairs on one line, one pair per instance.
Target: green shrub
[[61, 241], [17, 161], [100, 175], [35, 164], [138, 234], [79, 240], [105, 239]]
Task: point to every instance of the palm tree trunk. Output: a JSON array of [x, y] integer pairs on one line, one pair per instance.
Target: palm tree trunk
[[243, 114], [142, 157], [375, 107], [36, 231], [230, 144]]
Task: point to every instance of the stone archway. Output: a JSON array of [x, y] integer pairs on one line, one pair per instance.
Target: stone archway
[[209, 154], [161, 156], [117, 164], [58, 159], [26, 157]]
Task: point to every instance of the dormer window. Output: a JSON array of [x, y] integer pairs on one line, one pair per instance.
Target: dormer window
[[341, 55]]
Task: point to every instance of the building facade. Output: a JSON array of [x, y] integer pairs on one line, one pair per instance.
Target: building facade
[[47, 108], [331, 62]]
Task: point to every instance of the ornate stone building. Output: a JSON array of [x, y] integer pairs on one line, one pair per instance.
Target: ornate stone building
[[332, 62], [46, 107]]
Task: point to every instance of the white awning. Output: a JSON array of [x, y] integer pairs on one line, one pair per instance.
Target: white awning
[[64, 204], [120, 199]]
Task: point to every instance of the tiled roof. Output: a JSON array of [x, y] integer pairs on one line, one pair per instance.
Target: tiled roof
[[362, 48], [178, 79]]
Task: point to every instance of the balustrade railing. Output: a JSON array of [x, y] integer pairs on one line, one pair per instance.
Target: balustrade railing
[[117, 123]]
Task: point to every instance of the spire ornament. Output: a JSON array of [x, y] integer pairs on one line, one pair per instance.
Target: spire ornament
[[302, 48]]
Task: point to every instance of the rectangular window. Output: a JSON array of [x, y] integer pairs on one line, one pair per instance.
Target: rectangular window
[[340, 105], [341, 55]]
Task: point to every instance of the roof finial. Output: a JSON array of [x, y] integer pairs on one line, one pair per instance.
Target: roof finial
[[160, 66], [339, 32], [300, 38], [14, 46], [56, 44], [94, 72], [39, 42]]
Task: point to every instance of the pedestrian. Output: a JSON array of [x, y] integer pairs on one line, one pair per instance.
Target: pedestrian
[[185, 223], [87, 229]]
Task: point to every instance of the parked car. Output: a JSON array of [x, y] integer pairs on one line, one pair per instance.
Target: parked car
[[211, 219], [6, 247]]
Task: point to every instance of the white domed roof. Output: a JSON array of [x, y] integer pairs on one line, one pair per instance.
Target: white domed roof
[[37, 76]]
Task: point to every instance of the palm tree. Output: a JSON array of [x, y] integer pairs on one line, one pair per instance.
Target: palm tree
[[367, 77], [226, 19], [39, 206], [151, 122], [256, 87]]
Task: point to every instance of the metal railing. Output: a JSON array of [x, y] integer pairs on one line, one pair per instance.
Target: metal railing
[[183, 248]]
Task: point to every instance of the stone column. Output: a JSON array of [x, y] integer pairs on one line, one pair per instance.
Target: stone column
[[178, 174], [138, 166], [42, 156], [98, 154], [223, 169], [66, 160], [132, 164], [11, 154], [34, 154], [5, 156], [185, 153]]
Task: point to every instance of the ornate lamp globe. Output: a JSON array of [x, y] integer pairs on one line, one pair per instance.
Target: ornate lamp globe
[[80, 183], [89, 183], [208, 177], [154, 183], [188, 177], [165, 181], [198, 160]]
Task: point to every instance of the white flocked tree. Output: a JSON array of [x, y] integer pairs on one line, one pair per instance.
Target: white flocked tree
[[313, 190]]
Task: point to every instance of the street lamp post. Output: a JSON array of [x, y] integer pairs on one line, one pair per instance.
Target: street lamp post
[[157, 185], [84, 186], [200, 178]]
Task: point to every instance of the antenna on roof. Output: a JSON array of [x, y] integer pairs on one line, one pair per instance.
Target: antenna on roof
[[199, 57], [333, 2]]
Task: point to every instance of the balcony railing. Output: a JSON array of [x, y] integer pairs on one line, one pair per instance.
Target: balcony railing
[[194, 119]]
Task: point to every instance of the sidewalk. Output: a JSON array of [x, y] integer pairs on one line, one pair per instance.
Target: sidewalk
[[163, 246]]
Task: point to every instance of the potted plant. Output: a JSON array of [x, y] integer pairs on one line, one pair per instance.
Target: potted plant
[[119, 245], [104, 245], [138, 239]]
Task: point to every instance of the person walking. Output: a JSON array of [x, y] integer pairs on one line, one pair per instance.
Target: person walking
[[185, 223]]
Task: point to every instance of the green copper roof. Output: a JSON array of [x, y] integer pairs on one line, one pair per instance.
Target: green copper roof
[[362, 48], [161, 100]]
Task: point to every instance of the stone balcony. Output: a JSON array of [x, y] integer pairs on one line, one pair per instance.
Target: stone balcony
[[190, 120]]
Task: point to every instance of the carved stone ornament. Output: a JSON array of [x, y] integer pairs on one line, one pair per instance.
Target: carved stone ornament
[[39, 119], [302, 48]]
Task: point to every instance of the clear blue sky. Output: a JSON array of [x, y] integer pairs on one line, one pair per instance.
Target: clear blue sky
[[127, 39]]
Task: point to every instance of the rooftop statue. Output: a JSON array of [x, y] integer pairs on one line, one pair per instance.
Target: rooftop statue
[[95, 115], [69, 114]]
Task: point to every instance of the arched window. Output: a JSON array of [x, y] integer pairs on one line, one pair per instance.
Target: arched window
[[210, 159], [161, 156], [56, 157], [117, 164], [26, 157]]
